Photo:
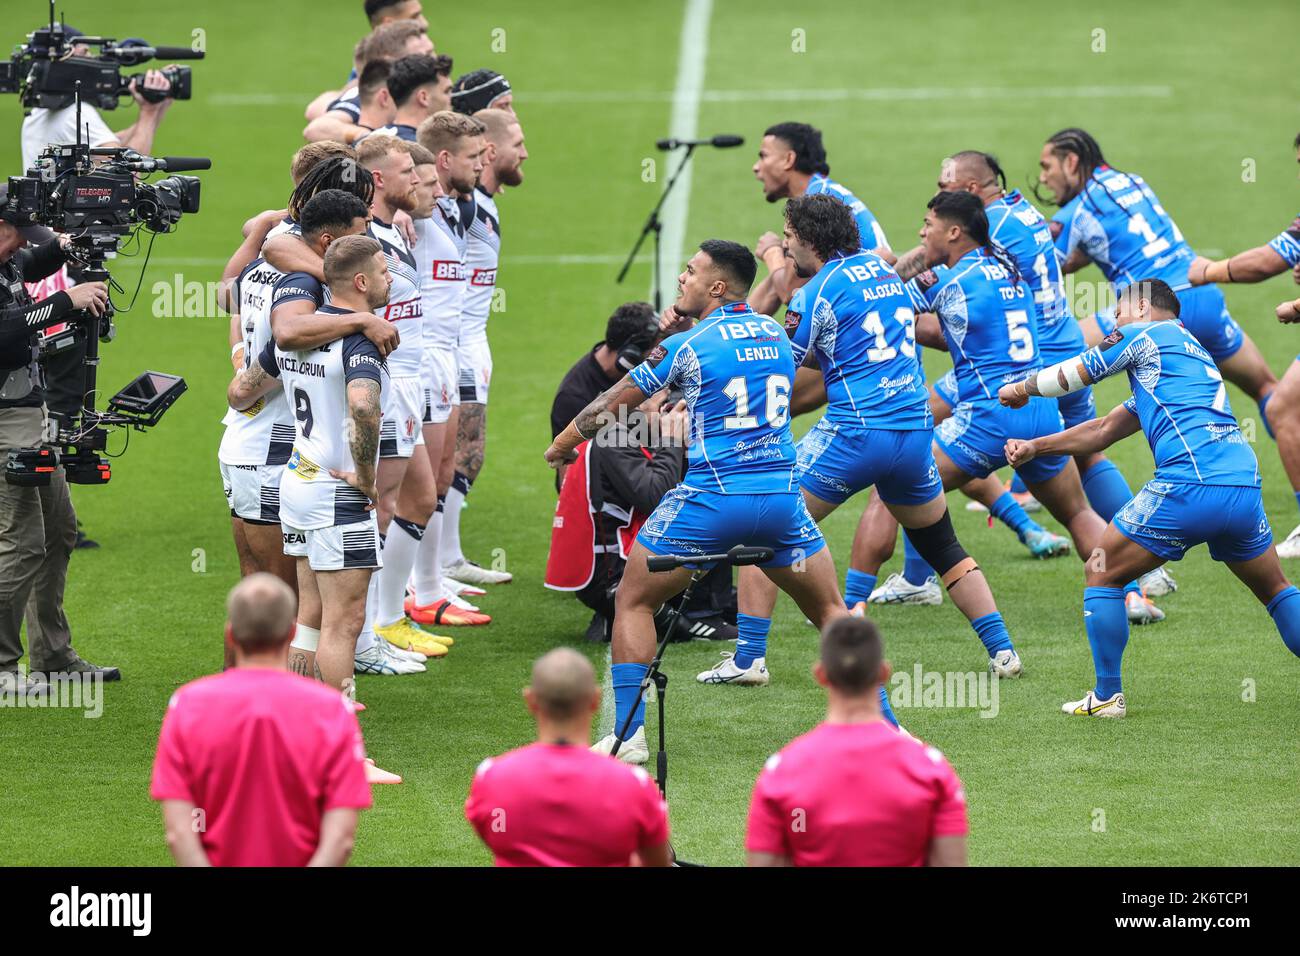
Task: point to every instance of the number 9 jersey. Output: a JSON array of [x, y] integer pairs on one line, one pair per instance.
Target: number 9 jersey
[[735, 370]]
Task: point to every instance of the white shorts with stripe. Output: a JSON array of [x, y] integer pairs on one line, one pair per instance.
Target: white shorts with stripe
[[337, 548], [403, 411], [253, 492], [440, 390]]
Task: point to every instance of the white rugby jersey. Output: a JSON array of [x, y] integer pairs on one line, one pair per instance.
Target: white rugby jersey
[[315, 383], [404, 308], [287, 224], [440, 259], [262, 434], [481, 255]]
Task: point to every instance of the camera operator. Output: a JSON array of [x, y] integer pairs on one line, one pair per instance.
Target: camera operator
[[43, 126], [617, 480], [65, 368], [37, 524]]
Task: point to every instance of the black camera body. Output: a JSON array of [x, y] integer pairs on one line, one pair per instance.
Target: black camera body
[[46, 75], [98, 205]]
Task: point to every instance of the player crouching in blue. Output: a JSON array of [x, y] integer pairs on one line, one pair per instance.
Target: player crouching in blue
[[734, 369], [1206, 486]]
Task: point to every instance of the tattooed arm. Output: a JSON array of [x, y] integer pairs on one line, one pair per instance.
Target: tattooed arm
[[363, 417], [252, 383], [589, 420], [911, 263]]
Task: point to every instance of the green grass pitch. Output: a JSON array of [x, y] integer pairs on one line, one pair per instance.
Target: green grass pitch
[[1192, 97]]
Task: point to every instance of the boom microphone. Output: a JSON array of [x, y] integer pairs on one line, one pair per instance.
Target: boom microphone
[[173, 53], [723, 141]]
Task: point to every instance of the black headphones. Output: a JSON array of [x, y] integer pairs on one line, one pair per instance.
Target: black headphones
[[632, 352]]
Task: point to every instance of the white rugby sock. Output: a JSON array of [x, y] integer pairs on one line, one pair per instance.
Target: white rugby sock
[[399, 556], [367, 639], [428, 565], [450, 547]]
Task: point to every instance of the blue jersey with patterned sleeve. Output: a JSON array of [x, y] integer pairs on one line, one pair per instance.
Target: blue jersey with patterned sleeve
[[873, 236], [1019, 228], [855, 315], [1287, 244], [1118, 221], [734, 369], [988, 321], [1180, 399]]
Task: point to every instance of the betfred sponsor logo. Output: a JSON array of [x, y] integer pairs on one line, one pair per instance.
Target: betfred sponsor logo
[[449, 270], [401, 311], [483, 277]]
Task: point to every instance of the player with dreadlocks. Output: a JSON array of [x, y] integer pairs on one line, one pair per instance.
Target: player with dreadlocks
[[1113, 219], [1018, 228], [973, 302]]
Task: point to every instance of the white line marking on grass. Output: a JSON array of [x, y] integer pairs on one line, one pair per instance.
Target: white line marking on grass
[[855, 94], [607, 698], [691, 56]]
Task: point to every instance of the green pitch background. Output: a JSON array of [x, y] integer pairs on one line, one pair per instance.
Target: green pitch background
[[1184, 93]]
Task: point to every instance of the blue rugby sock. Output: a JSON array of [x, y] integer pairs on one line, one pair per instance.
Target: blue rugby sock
[[627, 699], [751, 639], [885, 708], [1006, 510], [992, 632], [858, 586], [1018, 486], [1132, 586], [1106, 622], [1262, 404], [1297, 499], [1284, 609], [1106, 488], [915, 570]]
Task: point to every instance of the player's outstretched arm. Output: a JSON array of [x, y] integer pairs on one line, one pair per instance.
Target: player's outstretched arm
[[1253, 265], [1083, 439], [589, 420], [1051, 382]]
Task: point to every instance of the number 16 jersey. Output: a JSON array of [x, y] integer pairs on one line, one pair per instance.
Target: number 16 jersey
[[735, 370]]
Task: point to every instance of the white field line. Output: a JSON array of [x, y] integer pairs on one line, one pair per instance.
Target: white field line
[[692, 55]]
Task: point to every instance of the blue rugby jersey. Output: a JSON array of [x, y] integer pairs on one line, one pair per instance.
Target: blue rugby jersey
[[735, 370], [857, 317], [1118, 221], [869, 228], [1180, 399], [1019, 228], [988, 321]]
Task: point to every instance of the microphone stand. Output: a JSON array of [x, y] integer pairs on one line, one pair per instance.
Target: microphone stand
[[654, 225]]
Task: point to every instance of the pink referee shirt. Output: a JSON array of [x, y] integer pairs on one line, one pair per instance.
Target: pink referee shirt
[[263, 754], [855, 795], [562, 805]]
